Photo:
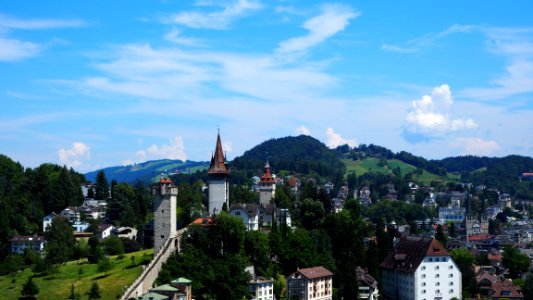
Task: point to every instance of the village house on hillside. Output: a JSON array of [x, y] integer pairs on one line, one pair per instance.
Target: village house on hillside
[[310, 283]]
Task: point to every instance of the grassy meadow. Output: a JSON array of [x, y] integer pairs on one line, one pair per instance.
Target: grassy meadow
[[82, 275]]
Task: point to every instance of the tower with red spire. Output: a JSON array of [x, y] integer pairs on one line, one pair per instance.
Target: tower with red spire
[[267, 186], [218, 180]]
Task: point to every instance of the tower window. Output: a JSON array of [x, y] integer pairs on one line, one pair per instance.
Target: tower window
[[162, 211], [162, 236]]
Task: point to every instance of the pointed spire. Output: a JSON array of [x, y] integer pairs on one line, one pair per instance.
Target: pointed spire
[[218, 162]]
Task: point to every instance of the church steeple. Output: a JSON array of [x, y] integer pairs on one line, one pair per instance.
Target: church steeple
[[218, 160]]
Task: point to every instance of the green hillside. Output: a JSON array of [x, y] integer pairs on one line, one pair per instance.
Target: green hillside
[[112, 284], [373, 165]]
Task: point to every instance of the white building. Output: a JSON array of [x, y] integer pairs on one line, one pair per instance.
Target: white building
[[261, 288], [21, 242], [248, 212], [311, 283], [105, 230], [47, 221], [420, 268]]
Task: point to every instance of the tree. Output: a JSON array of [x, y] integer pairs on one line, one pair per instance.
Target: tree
[[464, 260], [113, 245], [104, 265], [311, 213], [528, 287], [95, 250], [516, 262], [440, 236], [60, 241], [258, 250], [94, 293], [29, 289], [102, 187], [73, 294]]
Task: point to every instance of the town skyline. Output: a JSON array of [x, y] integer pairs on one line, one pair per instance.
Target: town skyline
[[92, 85]]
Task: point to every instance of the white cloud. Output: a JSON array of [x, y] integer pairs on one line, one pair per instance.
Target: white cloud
[[430, 115], [13, 50], [215, 20], [476, 146], [334, 139], [174, 150], [35, 24], [72, 157], [303, 130], [227, 146], [333, 18]]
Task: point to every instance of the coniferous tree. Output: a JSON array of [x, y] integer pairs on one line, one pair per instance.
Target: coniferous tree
[[94, 293], [29, 289], [60, 243], [102, 187]]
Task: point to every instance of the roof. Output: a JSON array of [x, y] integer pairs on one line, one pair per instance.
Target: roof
[[218, 161], [152, 296], [488, 276], [181, 280], [411, 251], [314, 272], [363, 276], [165, 180], [164, 288], [267, 177], [103, 227], [252, 209], [506, 289], [27, 238]]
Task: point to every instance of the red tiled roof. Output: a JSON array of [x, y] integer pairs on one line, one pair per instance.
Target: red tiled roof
[[506, 289], [314, 272], [267, 177], [165, 180], [218, 161], [410, 252], [480, 237]]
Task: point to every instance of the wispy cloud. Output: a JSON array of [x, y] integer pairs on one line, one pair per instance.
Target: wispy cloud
[[12, 49], [175, 36], [215, 20], [421, 43], [516, 45], [332, 19], [430, 115], [36, 24]]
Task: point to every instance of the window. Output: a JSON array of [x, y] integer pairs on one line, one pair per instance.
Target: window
[[437, 276], [451, 291], [423, 284], [437, 283], [423, 268], [237, 213], [423, 291], [450, 267], [451, 283], [423, 275], [436, 267], [451, 275], [162, 236]]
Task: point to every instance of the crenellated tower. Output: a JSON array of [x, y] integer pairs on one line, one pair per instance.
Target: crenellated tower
[[218, 180], [165, 198]]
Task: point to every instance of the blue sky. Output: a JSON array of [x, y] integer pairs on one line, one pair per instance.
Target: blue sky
[[92, 84]]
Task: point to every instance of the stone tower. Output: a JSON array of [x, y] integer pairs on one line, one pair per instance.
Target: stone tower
[[218, 180], [165, 196], [267, 187]]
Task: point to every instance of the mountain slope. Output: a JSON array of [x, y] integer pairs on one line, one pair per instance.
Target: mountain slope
[[149, 170], [301, 154]]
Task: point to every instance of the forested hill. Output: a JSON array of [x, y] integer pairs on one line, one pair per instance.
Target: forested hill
[[301, 154], [149, 170]]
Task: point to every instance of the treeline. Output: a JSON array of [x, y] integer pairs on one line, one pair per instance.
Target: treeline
[[27, 195], [302, 155]]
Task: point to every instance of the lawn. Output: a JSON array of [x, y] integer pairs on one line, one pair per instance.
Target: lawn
[[58, 286], [371, 164]]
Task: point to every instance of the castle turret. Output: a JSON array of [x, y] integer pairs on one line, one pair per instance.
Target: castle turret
[[218, 180], [267, 186], [165, 198]]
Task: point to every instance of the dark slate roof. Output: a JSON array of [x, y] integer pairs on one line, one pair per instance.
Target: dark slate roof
[[218, 161], [410, 252], [252, 209], [314, 272]]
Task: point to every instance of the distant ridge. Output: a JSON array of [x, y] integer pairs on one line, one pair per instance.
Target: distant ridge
[[148, 171]]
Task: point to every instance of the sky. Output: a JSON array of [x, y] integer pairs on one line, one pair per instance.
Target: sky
[[91, 84]]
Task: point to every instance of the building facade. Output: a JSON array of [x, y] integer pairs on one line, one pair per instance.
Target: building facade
[[165, 198], [311, 283], [420, 268]]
